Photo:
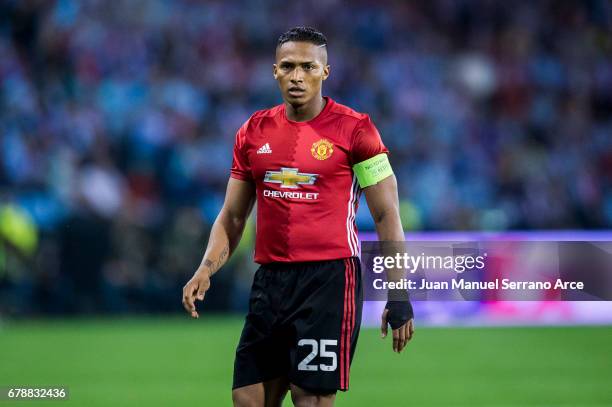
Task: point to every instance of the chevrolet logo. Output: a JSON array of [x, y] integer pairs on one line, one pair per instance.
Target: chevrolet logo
[[290, 178]]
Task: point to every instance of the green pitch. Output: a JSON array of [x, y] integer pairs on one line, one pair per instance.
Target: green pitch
[[179, 362]]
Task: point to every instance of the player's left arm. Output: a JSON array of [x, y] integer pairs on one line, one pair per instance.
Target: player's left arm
[[383, 201], [375, 175]]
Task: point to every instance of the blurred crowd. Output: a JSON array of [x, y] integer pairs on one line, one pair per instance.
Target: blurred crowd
[[117, 121]]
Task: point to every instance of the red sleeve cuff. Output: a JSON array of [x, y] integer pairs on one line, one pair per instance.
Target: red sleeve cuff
[[241, 176]]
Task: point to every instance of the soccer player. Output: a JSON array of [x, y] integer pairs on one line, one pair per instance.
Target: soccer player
[[306, 163]]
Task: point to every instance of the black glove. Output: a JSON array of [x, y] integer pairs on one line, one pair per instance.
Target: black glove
[[400, 308]]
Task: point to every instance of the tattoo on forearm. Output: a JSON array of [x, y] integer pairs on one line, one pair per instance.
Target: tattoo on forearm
[[223, 255], [213, 266]]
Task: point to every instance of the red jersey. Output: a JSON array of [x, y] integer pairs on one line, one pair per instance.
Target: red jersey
[[307, 193]]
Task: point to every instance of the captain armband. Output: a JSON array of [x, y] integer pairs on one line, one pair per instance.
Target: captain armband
[[373, 170]]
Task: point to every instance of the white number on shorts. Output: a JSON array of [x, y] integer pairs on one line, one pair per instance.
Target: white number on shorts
[[304, 364]]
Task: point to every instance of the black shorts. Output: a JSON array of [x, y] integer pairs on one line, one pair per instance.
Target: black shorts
[[303, 323]]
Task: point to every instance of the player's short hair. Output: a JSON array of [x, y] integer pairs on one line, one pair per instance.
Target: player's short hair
[[302, 34]]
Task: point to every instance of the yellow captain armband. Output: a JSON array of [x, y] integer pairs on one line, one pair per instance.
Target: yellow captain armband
[[373, 170]]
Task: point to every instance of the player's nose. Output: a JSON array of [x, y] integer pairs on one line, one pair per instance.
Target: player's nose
[[296, 76]]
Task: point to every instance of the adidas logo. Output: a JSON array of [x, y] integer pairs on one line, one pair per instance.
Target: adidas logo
[[265, 149]]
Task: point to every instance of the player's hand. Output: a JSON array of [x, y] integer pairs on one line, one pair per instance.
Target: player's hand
[[195, 289], [401, 335]]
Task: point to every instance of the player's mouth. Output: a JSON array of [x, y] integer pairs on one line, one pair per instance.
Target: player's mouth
[[296, 92]]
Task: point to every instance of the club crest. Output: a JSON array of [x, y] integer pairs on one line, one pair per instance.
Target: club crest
[[322, 149]]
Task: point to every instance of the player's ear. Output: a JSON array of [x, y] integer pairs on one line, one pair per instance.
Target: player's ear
[[274, 71], [326, 70]]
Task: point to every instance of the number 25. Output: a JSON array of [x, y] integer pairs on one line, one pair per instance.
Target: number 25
[[324, 354]]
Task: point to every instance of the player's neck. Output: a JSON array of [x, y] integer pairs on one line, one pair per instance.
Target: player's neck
[[307, 111]]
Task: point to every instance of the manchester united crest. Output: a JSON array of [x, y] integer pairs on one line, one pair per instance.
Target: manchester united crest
[[322, 149]]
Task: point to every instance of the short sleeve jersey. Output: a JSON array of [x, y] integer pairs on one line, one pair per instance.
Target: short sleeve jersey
[[307, 193]]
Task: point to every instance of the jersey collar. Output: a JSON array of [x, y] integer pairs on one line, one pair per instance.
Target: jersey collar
[[322, 113]]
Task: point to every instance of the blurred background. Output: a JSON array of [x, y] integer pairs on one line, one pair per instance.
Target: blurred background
[[117, 120]]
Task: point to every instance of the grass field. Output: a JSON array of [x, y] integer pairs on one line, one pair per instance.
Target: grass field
[[176, 362]]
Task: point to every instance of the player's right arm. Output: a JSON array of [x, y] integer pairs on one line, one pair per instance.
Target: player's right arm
[[224, 237]]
